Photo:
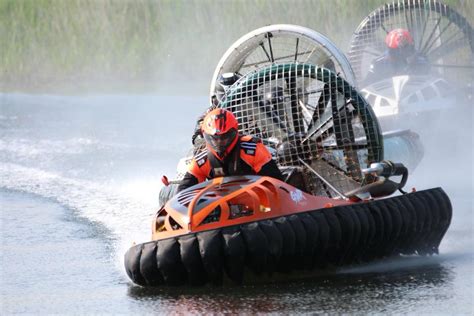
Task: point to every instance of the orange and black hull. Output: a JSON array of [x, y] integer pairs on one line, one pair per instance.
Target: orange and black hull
[[414, 223]]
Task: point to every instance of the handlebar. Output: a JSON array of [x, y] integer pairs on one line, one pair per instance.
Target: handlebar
[[383, 186], [386, 169]]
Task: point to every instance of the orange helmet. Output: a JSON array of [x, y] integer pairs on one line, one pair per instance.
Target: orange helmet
[[220, 130], [398, 38]]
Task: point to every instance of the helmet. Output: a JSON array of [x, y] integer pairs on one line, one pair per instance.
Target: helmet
[[220, 130], [400, 44], [398, 38]]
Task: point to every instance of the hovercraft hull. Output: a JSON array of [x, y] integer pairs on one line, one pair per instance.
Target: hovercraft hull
[[414, 223]]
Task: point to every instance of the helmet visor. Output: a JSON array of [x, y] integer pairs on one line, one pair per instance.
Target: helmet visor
[[220, 142]]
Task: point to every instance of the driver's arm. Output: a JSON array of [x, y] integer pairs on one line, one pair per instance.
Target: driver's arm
[[264, 165], [270, 169], [188, 181], [196, 174]]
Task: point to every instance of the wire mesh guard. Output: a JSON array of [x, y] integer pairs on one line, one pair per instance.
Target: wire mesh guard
[[441, 36], [310, 117], [280, 43]]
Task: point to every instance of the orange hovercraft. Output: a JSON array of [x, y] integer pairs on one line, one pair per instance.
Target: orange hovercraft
[[333, 208]]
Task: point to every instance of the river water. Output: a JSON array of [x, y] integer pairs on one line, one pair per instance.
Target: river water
[[79, 182]]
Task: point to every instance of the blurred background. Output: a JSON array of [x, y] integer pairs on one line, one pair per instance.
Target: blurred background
[[83, 46]]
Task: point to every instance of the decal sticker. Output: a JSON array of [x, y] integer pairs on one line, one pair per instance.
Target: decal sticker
[[297, 196]]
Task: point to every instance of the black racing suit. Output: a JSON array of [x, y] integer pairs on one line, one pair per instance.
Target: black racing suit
[[387, 66]]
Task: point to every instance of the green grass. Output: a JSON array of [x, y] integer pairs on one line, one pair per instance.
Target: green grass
[[100, 45], [45, 42]]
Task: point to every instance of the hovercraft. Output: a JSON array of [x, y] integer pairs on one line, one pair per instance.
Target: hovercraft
[[334, 208], [442, 38]]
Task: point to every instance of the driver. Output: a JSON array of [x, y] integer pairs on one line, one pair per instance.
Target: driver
[[227, 153], [400, 58]]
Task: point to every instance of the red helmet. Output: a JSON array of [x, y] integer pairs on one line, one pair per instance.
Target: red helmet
[[220, 130], [398, 38]]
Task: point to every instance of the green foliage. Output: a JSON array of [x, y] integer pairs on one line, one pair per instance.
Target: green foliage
[[52, 45]]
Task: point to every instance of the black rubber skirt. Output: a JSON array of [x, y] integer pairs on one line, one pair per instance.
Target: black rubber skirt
[[413, 223]]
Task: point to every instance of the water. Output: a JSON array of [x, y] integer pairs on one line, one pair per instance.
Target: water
[[79, 182]]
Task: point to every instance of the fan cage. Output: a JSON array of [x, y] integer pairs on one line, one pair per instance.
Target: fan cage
[[308, 116], [441, 36], [278, 44]]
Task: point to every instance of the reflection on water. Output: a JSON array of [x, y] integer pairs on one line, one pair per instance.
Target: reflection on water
[[338, 293]]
